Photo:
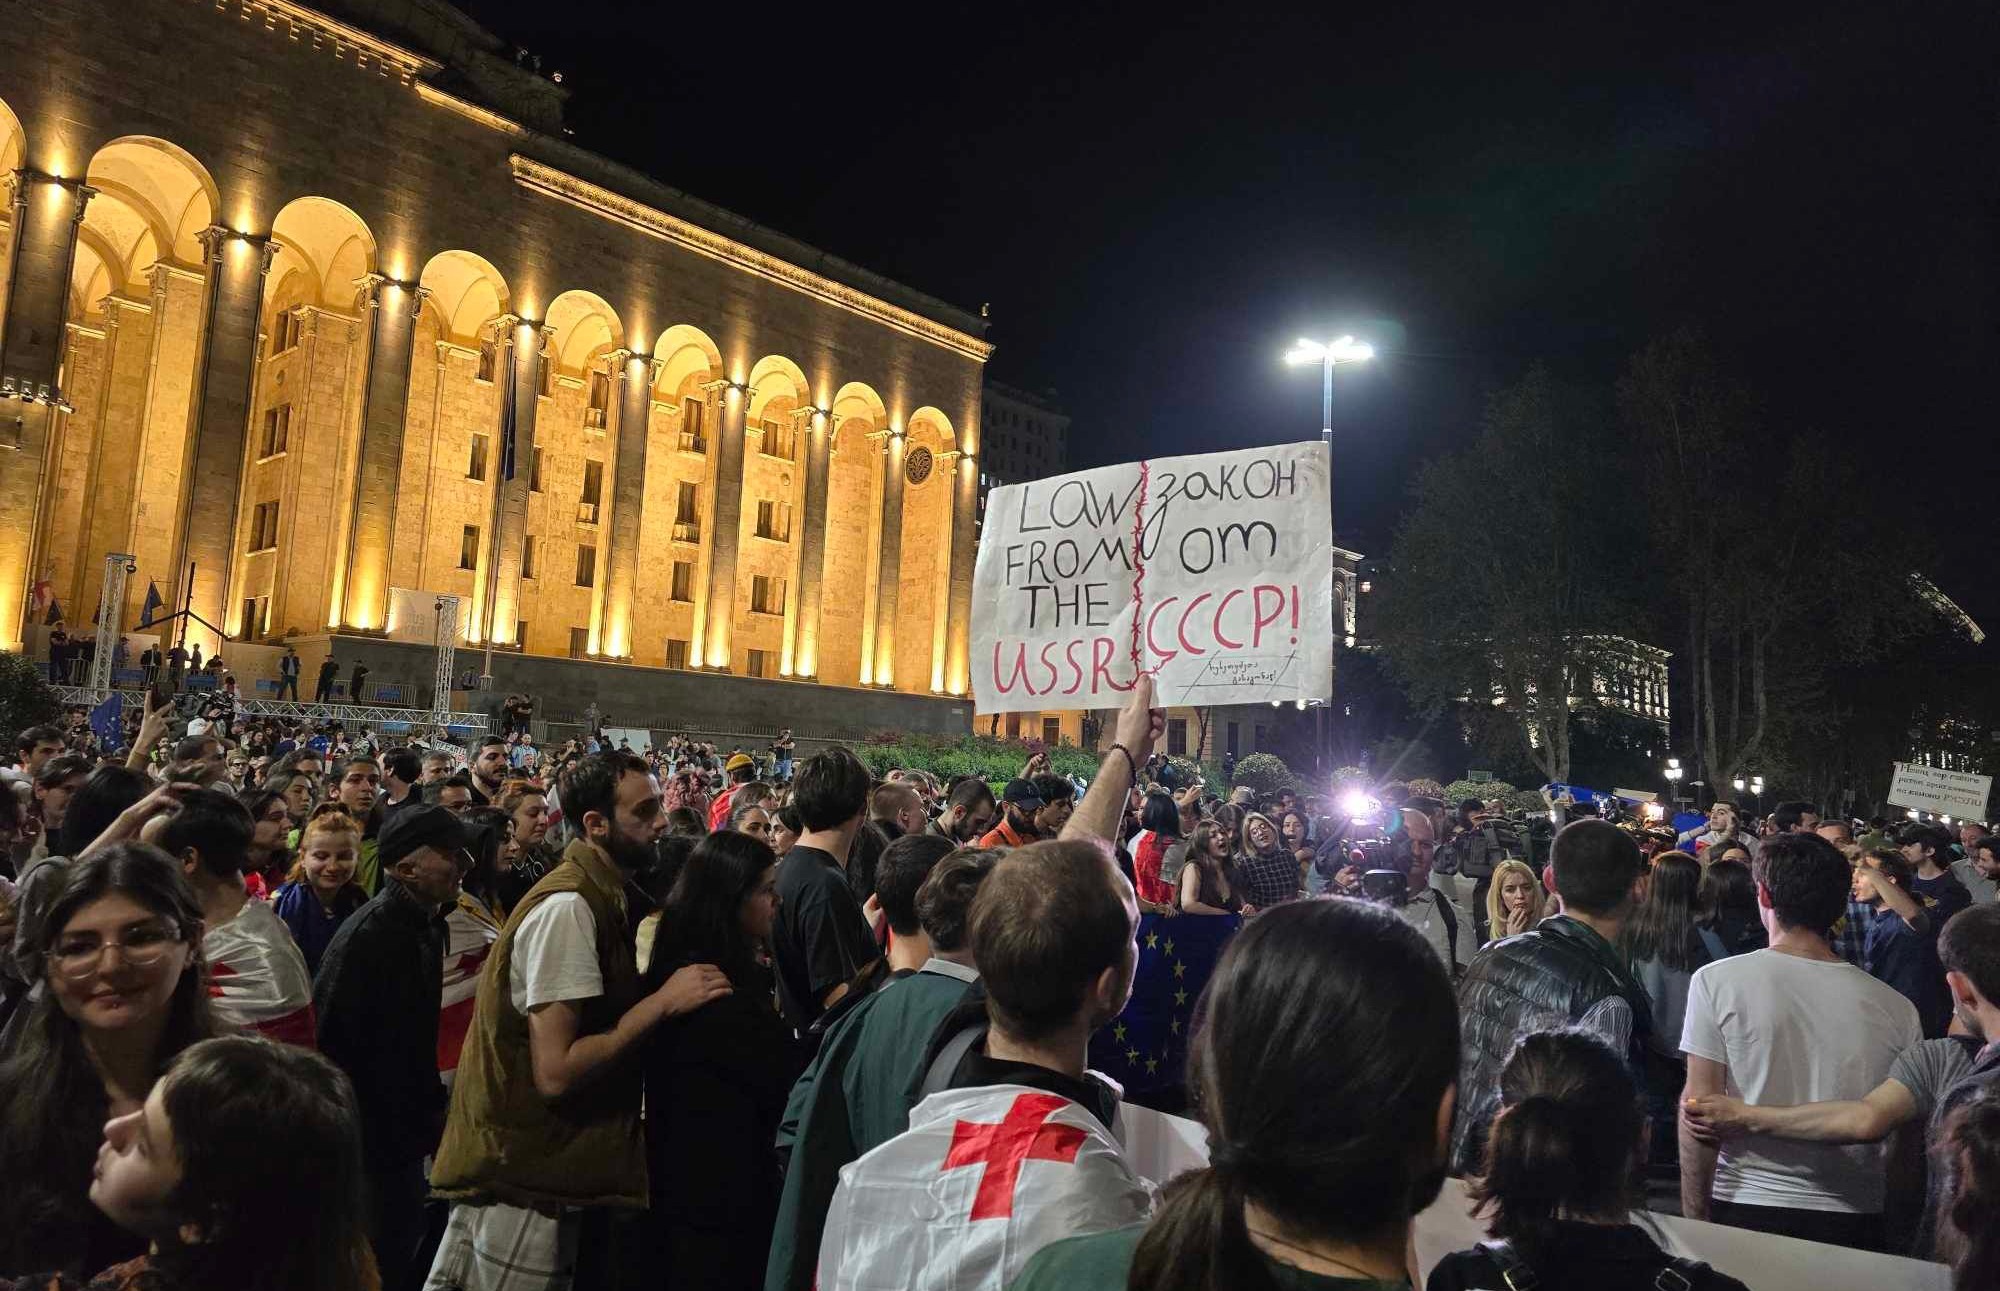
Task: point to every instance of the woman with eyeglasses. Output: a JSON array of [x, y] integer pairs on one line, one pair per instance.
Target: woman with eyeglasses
[[119, 952]]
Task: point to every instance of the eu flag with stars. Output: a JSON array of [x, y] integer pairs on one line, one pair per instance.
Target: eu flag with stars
[[1145, 1048], [107, 720]]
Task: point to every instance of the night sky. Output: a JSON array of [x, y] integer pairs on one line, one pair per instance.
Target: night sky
[[1156, 200]]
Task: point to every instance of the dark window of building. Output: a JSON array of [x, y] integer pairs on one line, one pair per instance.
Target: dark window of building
[[468, 548], [763, 663], [683, 580], [1177, 737], [586, 566], [579, 643], [528, 555], [475, 467], [767, 595], [677, 653], [264, 527]]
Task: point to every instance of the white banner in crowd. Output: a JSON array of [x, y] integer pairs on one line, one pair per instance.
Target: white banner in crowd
[[1946, 793], [1212, 572]]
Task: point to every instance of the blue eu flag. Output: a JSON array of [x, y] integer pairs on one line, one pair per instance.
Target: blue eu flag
[[108, 720], [1145, 1048]]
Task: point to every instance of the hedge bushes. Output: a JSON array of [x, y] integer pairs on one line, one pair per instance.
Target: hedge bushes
[[978, 755], [1267, 774]]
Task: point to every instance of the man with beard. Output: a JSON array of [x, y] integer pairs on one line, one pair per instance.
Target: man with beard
[[543, 1137], [489, 771], [968, 813]]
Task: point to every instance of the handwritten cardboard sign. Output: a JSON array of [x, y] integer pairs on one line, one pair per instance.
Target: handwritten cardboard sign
[[1933, 789], [1212, 572]]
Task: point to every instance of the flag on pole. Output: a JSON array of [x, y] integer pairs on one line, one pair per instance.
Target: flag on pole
[[990, 1175], [97, 615], [153, 604], [42, 593], [54, 615]]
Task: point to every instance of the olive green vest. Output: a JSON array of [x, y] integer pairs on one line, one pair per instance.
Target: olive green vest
[[504, 1141]]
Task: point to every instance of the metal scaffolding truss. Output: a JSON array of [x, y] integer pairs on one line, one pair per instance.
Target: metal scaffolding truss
[[346, 714]]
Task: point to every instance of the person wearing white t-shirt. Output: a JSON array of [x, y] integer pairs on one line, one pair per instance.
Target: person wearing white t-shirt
[[543, 1131], [1794, 1023]]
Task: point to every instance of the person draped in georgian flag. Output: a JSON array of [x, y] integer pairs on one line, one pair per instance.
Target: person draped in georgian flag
[[1013, 1146], [257, 977], [471, 927]]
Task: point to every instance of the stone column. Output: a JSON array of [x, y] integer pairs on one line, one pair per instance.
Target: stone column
[[504, 612], [393, 308], [41, 253], [802, 631], [632, 408], [964, 548], [715, 615], [889, 567], [237, 264]]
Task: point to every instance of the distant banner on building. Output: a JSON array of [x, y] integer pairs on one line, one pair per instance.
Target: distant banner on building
[[1945, 793], [1214, 573]]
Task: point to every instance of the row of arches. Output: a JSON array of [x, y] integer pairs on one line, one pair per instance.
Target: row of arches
[[135, 321]]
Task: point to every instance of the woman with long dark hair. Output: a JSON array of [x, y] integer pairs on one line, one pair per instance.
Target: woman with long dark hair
[[1159, 829], [1729, 923], [1562, 1179], [119, 955], [1971, 1156], [1323, 1057], [235, 1123], [717, 1078], [269, 858], [1208, 880], [1665, 948]]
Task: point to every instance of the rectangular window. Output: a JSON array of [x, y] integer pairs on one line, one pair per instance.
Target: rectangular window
[[1177, 737], [285, 331], [1233, 750], [683, 580], [763, 663], [600, 400], [778, 439], [264, 527], [277, 430], [579, 643], [527, 555], [521, 634], [468, 548], [489, 360], [593, 492], [692, 417], [586, 566], [767, 595], [247, 625], [774, 520], [535, 471], [475, 467], [677, 653], [1052, 730], [546, 369], [1257, 740], [687, 513]]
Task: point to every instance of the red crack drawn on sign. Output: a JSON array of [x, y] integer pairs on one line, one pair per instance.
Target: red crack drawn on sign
[[1139, 568]]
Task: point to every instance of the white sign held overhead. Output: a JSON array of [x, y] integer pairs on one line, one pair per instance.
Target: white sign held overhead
[[1945, 793], [1212, 572]]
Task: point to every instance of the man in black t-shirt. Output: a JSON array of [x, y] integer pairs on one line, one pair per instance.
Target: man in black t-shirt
[[820, 940]]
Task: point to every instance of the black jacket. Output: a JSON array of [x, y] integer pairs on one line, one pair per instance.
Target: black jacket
[[377, 995], [1550, 976], [716, 1082]]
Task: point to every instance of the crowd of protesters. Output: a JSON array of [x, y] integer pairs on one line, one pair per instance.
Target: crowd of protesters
[[292, 1006]]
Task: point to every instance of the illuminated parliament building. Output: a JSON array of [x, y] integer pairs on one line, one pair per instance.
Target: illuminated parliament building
[[316, 314]]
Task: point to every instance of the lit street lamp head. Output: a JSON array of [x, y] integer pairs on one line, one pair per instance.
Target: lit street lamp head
[[1344, 350]]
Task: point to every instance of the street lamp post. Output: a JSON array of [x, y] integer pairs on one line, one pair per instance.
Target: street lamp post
[[1328, 355]]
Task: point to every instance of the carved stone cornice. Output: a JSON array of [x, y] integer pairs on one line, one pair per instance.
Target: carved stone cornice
[[547, 180]]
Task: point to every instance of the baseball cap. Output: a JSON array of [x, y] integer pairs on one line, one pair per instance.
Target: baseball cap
[[415, 827], [738, 763], [1022, 793]]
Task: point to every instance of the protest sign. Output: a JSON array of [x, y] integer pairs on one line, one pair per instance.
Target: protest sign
[[1212, 572], [1946, 793]]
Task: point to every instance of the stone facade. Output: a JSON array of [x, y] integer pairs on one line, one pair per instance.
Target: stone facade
[[299, 316]]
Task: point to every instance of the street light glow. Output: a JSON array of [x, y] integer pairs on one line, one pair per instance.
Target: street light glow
[[1344, 350]]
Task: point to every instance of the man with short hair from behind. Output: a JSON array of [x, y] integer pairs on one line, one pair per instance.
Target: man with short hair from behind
[[896, 809], [401, 772], [1565, 971], [1011, 1146], [1757, 1024], [856, 1094], [820, 940], [543, 1137]]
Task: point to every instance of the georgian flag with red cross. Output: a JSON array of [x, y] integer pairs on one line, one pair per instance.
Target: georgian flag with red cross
[[982, 1179], [257, 979]]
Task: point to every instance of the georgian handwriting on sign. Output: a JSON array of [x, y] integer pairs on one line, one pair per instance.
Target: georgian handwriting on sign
[[1163, 567]]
